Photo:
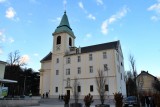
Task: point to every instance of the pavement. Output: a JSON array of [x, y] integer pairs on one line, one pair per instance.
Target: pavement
[[60, 103]]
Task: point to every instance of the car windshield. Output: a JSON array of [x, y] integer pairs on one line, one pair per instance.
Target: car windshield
[[131, 98]]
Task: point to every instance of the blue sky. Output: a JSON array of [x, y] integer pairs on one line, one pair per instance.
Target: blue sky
[[27, 26]]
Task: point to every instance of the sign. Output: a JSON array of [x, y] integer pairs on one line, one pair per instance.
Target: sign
[[3, 91]]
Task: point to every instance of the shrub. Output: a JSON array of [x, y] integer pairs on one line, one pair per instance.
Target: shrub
[[66, 99], [88, 100], [118, 97]]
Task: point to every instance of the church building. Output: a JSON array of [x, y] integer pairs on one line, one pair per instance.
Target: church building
[[66, 62]]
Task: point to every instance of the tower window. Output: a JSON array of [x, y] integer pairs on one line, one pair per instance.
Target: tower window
[[90, 57], [79, 70], [91, 88], [57, 60], [56, 89], [91, 69], [79, 59], [106, 88], [79, 88], [57, 72], [58, 40], [104, 55], [67, 71], [68, 60], [70, 42]]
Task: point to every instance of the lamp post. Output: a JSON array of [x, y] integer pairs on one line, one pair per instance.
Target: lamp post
[[24, 85]]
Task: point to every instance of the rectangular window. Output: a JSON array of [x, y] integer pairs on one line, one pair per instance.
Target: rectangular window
[[105, 67], [91, 69], [57, 72], [106, 88], [56, 90], [91, 88], [79, 70], [57, 60], [68, 60], [90, 57], [104, 55], [79, 88], [79, 58], [67, 71]]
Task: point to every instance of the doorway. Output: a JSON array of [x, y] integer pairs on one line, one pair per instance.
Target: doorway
[[68, 93]]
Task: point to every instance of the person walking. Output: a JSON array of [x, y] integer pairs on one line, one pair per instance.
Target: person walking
[[147, 101]]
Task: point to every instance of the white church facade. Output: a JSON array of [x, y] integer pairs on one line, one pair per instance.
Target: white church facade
[[66, 62]]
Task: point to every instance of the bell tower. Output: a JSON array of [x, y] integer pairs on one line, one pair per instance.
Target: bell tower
[[63, 36]]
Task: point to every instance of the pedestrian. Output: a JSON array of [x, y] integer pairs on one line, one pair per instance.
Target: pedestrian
[[152, 103], [147, 101], [46, 94], [143, 101], [59, 96], [43, 95]]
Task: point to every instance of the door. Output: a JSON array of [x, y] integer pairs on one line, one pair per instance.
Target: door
[[68, 93]]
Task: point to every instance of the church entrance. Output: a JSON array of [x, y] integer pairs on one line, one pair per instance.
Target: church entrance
[[68, 93]]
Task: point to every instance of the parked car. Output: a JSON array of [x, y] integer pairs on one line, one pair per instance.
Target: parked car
[[130, 101]]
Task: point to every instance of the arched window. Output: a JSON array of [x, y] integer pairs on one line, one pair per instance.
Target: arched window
[[70, 41], [58, 40]]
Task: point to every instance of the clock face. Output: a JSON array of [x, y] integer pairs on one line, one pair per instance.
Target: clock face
[[58, 47]]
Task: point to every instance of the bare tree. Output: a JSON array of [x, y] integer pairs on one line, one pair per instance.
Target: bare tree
[[101, 82], [15, 59], [75, 90], [133, 65], [131, 77]]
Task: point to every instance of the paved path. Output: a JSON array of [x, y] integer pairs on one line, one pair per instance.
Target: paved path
[[58, 103]]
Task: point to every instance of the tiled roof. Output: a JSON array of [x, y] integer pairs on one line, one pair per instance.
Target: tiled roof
[[146, 73], [93, 48], [3, 62], [99, 47], [47, 57]]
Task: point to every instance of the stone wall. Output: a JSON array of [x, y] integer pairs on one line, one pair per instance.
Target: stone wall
[[19, 103]]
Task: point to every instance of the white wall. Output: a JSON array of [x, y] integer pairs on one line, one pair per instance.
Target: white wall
[[2, 69]]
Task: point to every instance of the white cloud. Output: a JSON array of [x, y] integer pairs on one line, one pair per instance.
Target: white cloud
[[88, 35], [81, 5], [2, 37], [2, 1], [155, 8], [104, 27], [64, 2], [90, 16], [11, 40], [10, 13], [112, 19], [24, 59], [155, 18], [99, 2]]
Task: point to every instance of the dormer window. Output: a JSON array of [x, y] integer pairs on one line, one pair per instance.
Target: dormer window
[[58, 40], [70, 41]]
